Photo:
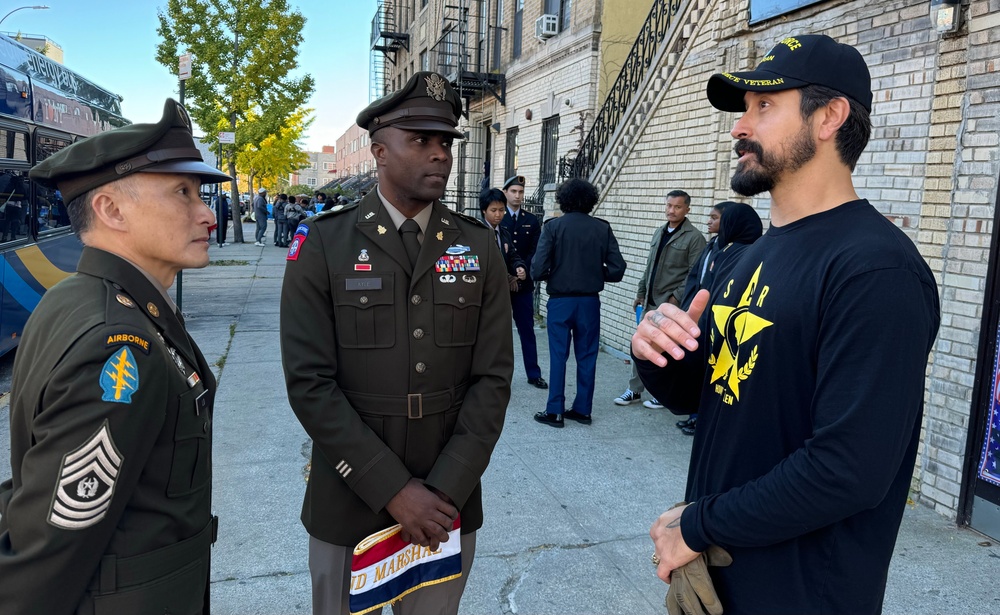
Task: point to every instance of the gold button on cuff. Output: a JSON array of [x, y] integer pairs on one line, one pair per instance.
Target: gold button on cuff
[[420, 367], [418, 334]]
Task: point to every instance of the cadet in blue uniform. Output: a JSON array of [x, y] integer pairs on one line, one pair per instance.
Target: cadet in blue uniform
[[398, 353], [109, 507], [524, 230]]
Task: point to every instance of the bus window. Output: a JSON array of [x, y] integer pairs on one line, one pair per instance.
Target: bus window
[[49, 206], [13, 202], [13, 144]]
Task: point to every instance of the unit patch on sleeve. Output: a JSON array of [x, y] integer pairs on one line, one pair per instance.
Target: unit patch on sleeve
[[301, 232], [120, 377], [86, 482], [449, 263]]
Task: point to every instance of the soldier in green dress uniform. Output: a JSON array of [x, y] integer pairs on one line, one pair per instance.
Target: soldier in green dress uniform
[[398, 353], [109, 507]]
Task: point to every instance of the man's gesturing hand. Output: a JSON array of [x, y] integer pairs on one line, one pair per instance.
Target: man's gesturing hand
[[669, 329], [425, 517]]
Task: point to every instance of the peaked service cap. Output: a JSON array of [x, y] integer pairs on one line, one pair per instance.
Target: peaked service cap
[[795, 62], [164, 147], [426, 102]]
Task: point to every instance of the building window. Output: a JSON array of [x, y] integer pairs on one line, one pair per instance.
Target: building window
[[425, 62], [517, 32], [510, 156], [550, 145], [310, 181], [562, 8], [312, 165], [329, 166], [766, 9]]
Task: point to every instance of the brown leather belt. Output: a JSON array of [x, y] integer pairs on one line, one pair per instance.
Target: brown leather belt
[[412, 406]]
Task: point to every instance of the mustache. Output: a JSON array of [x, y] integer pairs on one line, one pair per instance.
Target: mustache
[[744, 146]]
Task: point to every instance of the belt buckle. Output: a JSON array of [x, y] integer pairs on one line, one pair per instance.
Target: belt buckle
[[415, 406]]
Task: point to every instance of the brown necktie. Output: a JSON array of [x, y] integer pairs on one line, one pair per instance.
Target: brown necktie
[[408, 231]]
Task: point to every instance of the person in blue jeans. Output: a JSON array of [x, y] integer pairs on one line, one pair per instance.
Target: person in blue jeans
[[577, 253]]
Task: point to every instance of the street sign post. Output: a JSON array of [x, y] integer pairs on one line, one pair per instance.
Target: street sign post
[[227, 137]]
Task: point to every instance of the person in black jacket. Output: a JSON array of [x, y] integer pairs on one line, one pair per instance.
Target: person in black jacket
[[493, 206], [576, 255]]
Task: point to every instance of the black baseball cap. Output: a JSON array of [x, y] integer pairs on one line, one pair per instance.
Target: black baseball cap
[[795, 62]]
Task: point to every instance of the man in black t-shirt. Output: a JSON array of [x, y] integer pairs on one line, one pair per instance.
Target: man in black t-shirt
[[805, 359]]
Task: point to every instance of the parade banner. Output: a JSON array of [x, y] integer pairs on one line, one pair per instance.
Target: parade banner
[[385, 568]]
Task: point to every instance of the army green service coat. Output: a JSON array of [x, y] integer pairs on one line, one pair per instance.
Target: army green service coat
[[394, 374], [109, 507]]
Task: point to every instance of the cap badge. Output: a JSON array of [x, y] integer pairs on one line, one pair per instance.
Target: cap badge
[[435, 87], [182, 112]]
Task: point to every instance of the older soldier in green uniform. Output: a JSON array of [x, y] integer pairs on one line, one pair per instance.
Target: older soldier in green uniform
[[109, 507], [398, 354]]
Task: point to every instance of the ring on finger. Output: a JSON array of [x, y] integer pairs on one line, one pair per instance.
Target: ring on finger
[[656, 559]]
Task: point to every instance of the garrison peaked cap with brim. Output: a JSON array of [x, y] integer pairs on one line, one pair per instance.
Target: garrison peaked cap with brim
[[426, 102], [795, 62], [164, 147]]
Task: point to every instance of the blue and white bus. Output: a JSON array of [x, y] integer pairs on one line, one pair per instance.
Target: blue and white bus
[[44, 107]]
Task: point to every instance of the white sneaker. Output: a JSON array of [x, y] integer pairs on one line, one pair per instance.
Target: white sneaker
[[258, 244], [628, 397], [652, 404]]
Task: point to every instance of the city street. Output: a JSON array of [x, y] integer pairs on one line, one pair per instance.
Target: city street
[[567, 510]]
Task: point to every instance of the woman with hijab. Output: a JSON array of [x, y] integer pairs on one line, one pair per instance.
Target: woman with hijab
[[695, 278], [739, 227]]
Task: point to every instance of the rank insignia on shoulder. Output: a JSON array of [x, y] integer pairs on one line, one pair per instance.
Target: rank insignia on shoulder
[[120, 377], [136, 341], [86, 482]]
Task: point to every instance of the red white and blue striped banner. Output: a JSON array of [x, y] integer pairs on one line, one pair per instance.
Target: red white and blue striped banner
[[385, 568]]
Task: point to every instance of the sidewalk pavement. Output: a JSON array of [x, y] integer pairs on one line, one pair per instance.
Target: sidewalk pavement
[[568, 510]]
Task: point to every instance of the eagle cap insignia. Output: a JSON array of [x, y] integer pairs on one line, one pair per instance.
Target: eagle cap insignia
[[435, 87]]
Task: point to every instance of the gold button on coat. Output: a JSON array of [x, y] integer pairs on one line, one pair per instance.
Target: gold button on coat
[[363, 299], [420, 367], [415, 299], [418, 334]]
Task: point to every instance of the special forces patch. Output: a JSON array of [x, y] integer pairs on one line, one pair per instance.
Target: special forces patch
[[86, 482], [120, 377]]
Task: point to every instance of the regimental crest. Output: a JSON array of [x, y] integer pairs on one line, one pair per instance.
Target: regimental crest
[[733, 360], [120, 377], [86, 482], [435, 87], [183, 114]]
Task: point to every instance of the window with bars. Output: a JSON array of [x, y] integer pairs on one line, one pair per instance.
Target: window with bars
[[550, 145], [510, 154]]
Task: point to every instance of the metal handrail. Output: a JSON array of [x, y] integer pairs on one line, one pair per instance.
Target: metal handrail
[[647, 43]]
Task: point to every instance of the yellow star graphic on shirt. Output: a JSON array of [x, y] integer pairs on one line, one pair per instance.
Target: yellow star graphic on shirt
[[737, 326]]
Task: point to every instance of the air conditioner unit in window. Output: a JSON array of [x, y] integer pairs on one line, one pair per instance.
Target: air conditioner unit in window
[[546, 26]]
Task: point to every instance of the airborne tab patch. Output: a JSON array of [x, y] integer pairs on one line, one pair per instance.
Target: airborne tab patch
[[86, 482], [120, 377], [137, 341]]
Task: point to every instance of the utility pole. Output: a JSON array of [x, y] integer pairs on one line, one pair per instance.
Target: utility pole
[[183, 73], [237, 217]]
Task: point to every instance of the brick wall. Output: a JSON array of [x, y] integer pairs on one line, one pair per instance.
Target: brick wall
[[931, 167]]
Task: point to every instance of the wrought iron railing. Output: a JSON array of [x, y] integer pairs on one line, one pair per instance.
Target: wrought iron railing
[[633, 72]]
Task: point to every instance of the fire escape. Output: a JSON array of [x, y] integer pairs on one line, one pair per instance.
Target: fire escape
[[386, 40], [467, 54]]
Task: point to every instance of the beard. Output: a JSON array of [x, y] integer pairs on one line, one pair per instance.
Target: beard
[[762, 178]]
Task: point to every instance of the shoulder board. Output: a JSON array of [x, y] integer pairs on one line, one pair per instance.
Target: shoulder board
[[467, 218], [336, 209]]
